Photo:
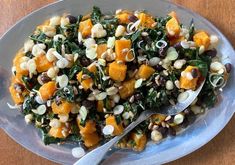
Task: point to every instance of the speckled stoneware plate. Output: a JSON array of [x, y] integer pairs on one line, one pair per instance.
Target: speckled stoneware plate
[[198, 134]]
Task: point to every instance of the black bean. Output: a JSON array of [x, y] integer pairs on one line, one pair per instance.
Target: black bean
[[185, 123], [88, 104], [159, 68], [171, 131], [146, 39], [228, 67], [211, 53], [72, 19], [177, 46], [44, 78], [85, 61], [162, 52], [191, 117], [163, 131], [138, 96], [162, 81], [132, 18], [194, 72], [19, 87]]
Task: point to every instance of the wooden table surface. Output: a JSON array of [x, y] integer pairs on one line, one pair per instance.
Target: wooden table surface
[[220, 150]]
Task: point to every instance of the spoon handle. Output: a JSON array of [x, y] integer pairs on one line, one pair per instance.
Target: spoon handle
[[96, 155]]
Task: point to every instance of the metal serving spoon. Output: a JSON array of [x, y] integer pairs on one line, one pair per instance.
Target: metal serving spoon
[[96, 155]]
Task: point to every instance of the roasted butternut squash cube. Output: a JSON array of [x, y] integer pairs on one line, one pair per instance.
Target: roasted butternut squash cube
[[123, 17], [91, 140], [63, 108], [173, 27], [101, 48], [202, 39], [145, 71], [86, 83], [42, 64], [47, 90], [174, 15], [140, 141], [122, 49], [187, 83], [89, 127], [85, 27], [174, 41], [92, 68], [57, 132], [118, 128], [146, 20], [17, 97], [128, 88], [17, 62], [158, 118], [45, 23], [117, 71]]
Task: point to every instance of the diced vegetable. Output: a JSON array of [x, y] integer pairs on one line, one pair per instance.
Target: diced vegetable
[[117, 71], [158, 118], [174, 41], [123, 17], [173, 27], [145, 71], [100, 106], [101, 49], [128, 88], [122, 49], [118, 128], [91, 140], [85, 27], [17, 97], [201, 38], [47, 90], [174, 15], [186, 82], [86, 83], [42, 63], [140, 141], [90, 127], [146, 20], [58, 132], [63, 108]]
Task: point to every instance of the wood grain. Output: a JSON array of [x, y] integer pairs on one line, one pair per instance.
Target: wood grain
[[221, 150]]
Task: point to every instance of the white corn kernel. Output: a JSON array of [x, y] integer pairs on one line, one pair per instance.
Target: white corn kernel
[[62, 80], [38, 50], [178, 64], [214, 40], [120, 31], [62, 63], [196, 109], [89, 42], [156, 136], [111, 91], [63, 22], [178, 119], [59, 36], [111, 42], [98, 31], [216, 66], [28, 45], [182, 97], [54, 21], [52, 72], [50, 31], [28, 118], [50, 56], [116, 98], [169, 85], [55, 123], [154, 61]]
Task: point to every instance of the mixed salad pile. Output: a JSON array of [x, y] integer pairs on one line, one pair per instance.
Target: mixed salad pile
[[85, 78]]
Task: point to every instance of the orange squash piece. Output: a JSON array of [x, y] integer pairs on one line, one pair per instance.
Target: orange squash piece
[[63, 108], [101, 49], [201, 38], [128, 88], [92, 68], [118, 128], [123, 17], [17, 61], [90, 127], [185, 83], [174, 15], [91, 140], [42, 63], [146, 20], [122, 49], [174, 41], [140, 141], [85, 27], [57, 132], [173, 27], [145, 71], [47, 90], [100, 106], [17, 97], [158, 118], [117, 71]]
